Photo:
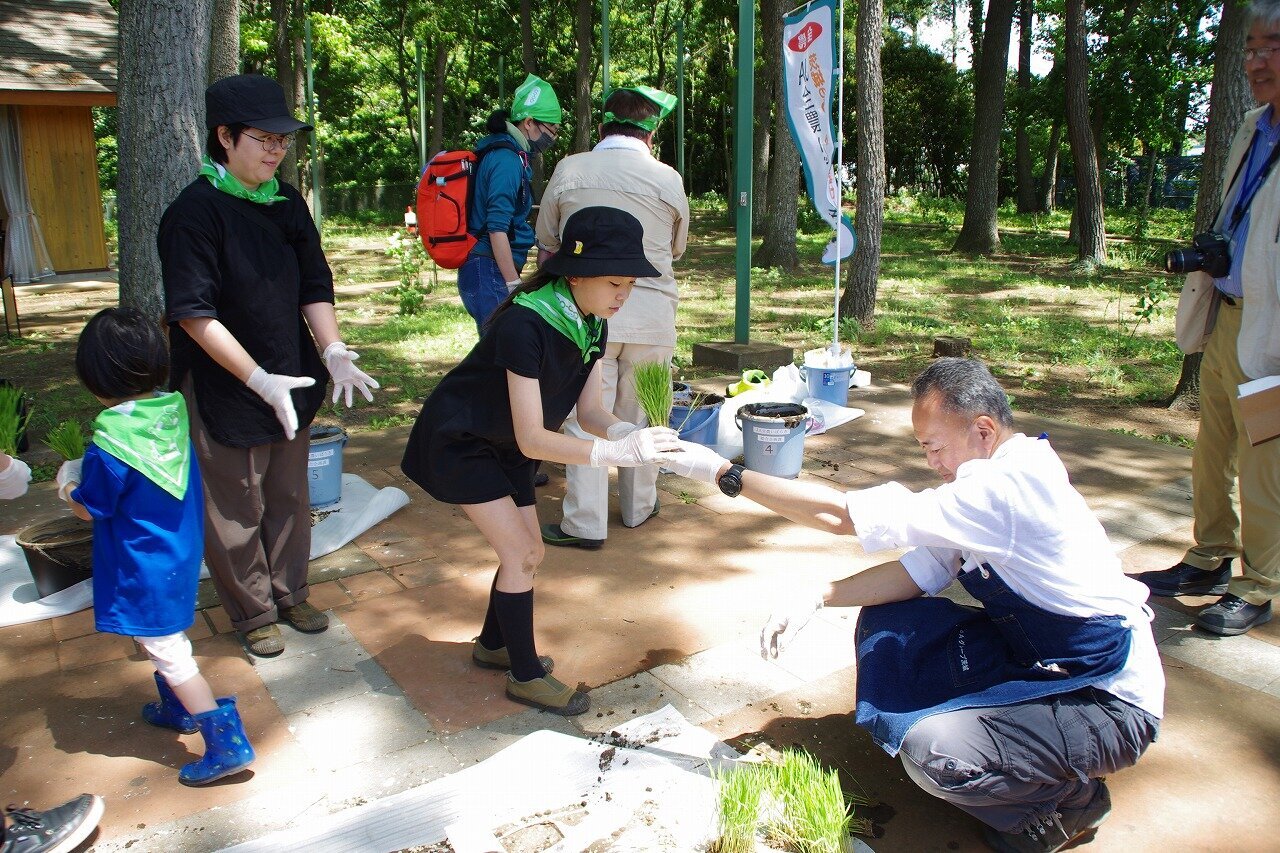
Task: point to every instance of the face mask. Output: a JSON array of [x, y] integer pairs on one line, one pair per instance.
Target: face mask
[[542, 143]]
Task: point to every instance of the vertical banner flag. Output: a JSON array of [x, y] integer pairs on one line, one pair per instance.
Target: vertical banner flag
[[807, 60]]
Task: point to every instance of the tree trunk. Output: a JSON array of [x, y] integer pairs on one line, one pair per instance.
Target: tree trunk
[[224, 40], [1022, 145], [584, 31], [440, 69], [1089, 224], [529, 57], [1049, 178], [979, 234], [975, 32], [1229, 100], [163, 72], [859, 298], [766, 94], [781, 212], [282, 45]]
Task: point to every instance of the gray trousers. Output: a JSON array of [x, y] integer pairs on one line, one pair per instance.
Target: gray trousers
[[1012, 765], [257, 522]]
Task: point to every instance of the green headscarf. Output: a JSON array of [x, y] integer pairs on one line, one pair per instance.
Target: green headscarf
[[537, 100], [266, 193], [554, 303], [664, 101], [151, 436]]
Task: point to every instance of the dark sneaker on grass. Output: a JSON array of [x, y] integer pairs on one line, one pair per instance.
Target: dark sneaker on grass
[[1233, 615], [305, 618], [500, 659], [548, 694], [60, 829], [265, 642], [1184, 579], [553, 535]]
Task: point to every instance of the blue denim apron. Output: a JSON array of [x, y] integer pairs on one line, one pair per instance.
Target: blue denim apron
[[928, 656]]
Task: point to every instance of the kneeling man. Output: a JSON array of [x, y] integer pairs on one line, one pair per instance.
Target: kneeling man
[[1011, 711]]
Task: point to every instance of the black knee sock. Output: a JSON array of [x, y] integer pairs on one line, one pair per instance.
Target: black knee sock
[[491, 634], [515, 613]]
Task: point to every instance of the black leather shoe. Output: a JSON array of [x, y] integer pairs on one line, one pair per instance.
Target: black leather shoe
[[1183, 579], [1233, 615]]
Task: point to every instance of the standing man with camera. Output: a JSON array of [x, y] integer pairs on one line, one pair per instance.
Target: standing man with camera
[[1230, 310]]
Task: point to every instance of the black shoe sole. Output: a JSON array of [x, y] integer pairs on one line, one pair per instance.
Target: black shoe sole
[[1233, 630]]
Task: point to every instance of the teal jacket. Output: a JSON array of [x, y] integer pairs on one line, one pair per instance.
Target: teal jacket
[[502, 198]]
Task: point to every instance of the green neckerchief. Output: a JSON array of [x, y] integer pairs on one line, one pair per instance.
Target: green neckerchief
[[518, 136], [266, 193], [664, 101], [554, 303], [151, 436]]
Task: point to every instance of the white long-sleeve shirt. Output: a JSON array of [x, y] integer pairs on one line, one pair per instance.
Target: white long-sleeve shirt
[[1018, 512]]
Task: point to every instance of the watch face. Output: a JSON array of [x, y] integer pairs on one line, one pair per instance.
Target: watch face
[[731, 482]]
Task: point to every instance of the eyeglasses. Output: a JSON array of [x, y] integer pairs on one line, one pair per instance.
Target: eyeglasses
[[1263, 53], [550, 130], [272, 143]]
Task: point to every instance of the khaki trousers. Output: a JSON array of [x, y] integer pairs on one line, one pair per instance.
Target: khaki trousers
[[257, 522], [586, 500], [1224, 459]]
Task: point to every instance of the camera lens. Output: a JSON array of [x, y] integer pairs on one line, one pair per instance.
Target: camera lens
[[1183, 261]]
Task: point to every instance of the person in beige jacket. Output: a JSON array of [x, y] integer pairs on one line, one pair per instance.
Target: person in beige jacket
[[1235, 321], [622, 172]]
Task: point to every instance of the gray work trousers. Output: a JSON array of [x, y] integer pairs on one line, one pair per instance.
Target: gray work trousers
[[257, 522], [1012, 765]]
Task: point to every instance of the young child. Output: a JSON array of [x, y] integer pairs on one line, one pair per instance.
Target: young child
[[139, 484], [476, 439]]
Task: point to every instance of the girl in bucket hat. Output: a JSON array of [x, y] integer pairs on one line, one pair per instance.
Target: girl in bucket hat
[[479, 433]]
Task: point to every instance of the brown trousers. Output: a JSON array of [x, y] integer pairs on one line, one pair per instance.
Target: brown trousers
[[257, 522]]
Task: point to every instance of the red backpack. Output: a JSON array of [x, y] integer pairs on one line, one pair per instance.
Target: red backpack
[[444, 198]]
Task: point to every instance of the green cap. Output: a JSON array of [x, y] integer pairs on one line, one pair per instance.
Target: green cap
[[537, 100], [664, 101]]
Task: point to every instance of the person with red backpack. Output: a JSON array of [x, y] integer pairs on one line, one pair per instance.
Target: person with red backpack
[[501, 197]]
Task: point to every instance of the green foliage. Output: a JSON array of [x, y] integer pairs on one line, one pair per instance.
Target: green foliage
[[67, 439], [1150, 298], [13, 420], [410, 258]]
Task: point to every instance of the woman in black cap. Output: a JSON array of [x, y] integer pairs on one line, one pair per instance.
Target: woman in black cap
[[476, 439], [254, 339]]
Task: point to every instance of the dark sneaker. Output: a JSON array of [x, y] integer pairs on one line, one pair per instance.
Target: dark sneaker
[[305, 618], [1078, 822], [548, 694], [553, 535], [1184, 579], [265, 642], [1233, 615], [500, 659], [1046, 835], [541, 478], [57, 830]]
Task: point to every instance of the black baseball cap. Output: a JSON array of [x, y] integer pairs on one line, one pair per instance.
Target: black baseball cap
[[250, 99], [601, 241]]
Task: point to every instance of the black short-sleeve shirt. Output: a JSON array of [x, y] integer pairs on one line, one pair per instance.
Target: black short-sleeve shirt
[[220, 260], [465, 426]]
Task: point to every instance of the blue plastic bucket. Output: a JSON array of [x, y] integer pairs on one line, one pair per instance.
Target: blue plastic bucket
[[324, 465], [773, 437], [700, 423], [829, 383]]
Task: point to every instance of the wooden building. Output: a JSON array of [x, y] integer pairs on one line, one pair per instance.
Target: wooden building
[[58, 58]]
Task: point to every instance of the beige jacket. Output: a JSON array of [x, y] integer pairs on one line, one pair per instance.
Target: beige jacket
[[620, 172], [1258, 346]]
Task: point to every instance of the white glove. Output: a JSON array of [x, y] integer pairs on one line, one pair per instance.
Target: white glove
[[512, 285], [341, 364], [786, 622], [14, 478], [69, 477], [275, 388], [620, 429], [637, 448], [695, 461]]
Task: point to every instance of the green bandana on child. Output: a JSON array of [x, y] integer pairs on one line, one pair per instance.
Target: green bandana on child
[[225, 181], [151, 436], [554, 303], [664, 101]]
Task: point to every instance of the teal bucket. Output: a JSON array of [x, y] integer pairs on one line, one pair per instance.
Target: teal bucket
[[773, 437], [324, 465], [829, 383], [698, 423]]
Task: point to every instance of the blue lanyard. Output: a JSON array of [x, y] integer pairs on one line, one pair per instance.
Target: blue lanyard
[[1251, 189]]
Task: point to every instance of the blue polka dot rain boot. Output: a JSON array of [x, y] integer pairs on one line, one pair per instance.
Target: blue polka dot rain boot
[[226, 747], [169, 712]]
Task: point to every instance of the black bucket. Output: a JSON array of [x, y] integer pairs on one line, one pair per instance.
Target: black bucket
[[59, 553]]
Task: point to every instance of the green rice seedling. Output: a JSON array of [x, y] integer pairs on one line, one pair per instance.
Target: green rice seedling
[[12, 418], [814, 818], [652, 381], [741, 789], [67, 439]]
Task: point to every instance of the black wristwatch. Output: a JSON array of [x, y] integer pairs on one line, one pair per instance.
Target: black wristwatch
[[730, 481]]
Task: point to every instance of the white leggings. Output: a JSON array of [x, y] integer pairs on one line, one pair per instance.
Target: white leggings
[[172, 656]]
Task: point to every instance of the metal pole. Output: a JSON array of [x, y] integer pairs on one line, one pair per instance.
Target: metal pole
[[742, 164], [316, 212], [835, 322], [502, 83], [422, 109], [680, 97], [604, 48]]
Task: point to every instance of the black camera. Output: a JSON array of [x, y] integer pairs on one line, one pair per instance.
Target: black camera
[[1209, 251]]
